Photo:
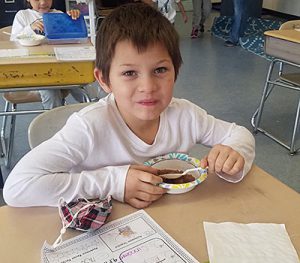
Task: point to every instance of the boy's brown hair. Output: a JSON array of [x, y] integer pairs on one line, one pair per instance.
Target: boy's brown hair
[[143, 26]]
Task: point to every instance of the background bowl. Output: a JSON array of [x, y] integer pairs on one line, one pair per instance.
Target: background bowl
[[30, 40], [179, 161]]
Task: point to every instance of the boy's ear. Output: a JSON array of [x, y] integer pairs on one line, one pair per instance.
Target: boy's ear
[[99, 77]]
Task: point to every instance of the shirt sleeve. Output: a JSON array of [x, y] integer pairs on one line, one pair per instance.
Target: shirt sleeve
[[46, 173], [20, 27], [211, 131]]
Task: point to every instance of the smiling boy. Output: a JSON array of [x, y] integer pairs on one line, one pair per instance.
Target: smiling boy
[[101, 149]]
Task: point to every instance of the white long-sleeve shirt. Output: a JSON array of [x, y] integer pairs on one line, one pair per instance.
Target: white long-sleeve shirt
[[23, 20], [90, 156]]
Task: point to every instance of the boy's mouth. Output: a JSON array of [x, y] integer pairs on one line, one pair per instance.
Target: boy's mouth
[[147, 102]]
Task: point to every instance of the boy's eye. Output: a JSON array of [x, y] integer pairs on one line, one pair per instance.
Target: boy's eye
[[129, 73], [160, 70]]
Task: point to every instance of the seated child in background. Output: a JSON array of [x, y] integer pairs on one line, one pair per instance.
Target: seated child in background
[[29, 22], [101, 149], [168, 9]]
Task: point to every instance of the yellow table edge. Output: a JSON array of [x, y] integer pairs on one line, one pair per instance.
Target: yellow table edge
[[46, 74]]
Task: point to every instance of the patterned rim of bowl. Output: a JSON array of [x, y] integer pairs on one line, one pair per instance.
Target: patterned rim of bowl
[[183, 157]]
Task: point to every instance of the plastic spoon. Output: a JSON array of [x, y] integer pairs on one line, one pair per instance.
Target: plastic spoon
[[177, 175]]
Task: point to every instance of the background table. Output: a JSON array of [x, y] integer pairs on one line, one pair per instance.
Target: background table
[[258, 198], [283, 44], [41, 68]]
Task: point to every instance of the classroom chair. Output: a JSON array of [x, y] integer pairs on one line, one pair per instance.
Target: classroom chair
[[45, 125], [283, 79], [12, 100]]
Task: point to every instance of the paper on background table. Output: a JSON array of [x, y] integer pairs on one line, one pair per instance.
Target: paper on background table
[[258, 242], [132, 239], [75, 53], [19, 52]]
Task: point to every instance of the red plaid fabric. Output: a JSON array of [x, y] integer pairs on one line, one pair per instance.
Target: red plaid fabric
[[85, 214]]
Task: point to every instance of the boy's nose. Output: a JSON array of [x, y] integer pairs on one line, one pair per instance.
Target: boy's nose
[[147, 84]]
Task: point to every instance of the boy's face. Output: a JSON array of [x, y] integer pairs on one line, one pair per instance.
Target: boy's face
[[142, 83], [41, 6]]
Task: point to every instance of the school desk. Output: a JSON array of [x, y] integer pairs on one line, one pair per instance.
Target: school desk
[[283, 44], [258, 198], [38, 69], [41, 68]]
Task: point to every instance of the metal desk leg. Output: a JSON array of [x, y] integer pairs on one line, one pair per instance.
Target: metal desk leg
[[292, 148], [1, 179], [266, 92]]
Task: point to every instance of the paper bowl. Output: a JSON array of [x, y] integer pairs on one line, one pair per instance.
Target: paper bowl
[[179, 161], [30, 40]]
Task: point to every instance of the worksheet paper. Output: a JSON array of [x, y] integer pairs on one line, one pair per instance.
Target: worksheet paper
[[82, 53], [8, 53], [132, 239]]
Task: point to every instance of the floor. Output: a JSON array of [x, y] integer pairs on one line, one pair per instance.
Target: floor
[[228, 83]]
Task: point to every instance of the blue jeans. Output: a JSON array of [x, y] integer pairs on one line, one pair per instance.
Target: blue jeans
[[240, 16]]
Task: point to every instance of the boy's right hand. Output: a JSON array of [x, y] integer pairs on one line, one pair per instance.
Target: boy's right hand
[[141, 186]]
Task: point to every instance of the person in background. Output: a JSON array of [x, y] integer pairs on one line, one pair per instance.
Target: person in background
[[201, 11], [29, 22], [240, 16], [101, 150], [168, 9]]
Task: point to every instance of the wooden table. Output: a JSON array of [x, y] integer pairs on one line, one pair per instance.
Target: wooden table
[[283, 44], [258, 198], [41, 68]]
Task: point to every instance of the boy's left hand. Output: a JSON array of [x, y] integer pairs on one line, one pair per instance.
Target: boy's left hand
[[74, 13], [223, 158]]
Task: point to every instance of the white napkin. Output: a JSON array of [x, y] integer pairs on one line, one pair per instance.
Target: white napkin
[[247, 243]]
